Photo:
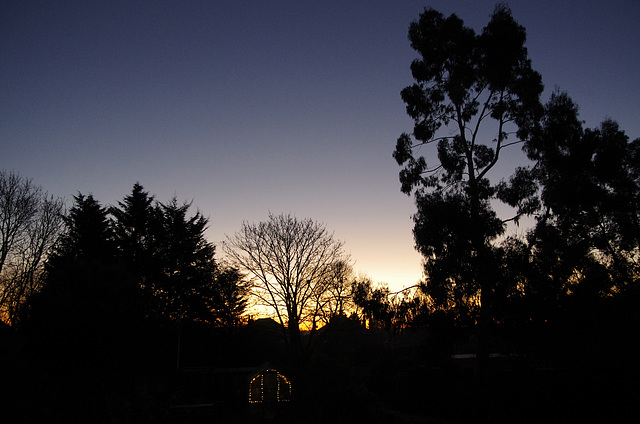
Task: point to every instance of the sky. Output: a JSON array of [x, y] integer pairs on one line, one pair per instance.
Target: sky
[[251, 107]]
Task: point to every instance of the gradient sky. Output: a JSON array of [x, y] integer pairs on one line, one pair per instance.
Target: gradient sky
[[248, 107]]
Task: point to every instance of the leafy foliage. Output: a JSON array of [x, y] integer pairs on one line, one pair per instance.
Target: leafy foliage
[[88, 235], [175, 265], [591, 191], [158, 248], [467, 86]]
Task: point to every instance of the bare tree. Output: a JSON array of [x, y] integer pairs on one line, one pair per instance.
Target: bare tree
[[18, 205], [292, 262], [337, 298], [30, 223]]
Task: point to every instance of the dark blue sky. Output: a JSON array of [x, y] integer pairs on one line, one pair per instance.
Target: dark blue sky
[[248, 107]]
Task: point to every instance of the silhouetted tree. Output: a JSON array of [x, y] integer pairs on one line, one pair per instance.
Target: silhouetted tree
[[173, 263], [30, 224], [83, 328], [411, 308], [337, 298], [136, 224], [334, 298], [88, 300], [473, 93], [292, 261], [231, 298], [185, 286], [88, 236], [377, 306], [90, 318], [588, 235], [18, 204], [372, 303]]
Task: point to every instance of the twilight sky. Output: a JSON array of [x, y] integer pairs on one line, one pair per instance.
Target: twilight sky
[[248, 107]]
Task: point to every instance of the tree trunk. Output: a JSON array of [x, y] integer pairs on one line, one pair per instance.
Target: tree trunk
[[295, 343], [483, 266]]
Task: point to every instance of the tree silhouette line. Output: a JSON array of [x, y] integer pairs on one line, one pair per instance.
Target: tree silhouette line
[[548, 315], [476, 95], [163, 262]]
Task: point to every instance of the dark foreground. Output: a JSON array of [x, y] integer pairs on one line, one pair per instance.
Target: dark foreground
[[353, 375]]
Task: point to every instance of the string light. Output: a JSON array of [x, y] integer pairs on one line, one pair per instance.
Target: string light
[[283, 387]]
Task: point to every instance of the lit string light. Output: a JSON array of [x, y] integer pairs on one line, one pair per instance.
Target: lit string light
[[282, 384]]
